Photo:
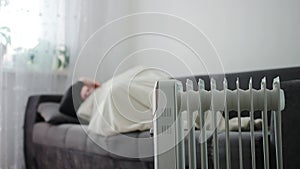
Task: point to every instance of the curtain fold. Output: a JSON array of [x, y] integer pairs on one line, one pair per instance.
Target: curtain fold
[[37, 61]]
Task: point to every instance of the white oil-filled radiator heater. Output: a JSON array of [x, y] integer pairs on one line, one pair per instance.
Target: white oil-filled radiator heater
[[170, 101]]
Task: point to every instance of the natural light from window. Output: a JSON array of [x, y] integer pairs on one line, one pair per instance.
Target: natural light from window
[[32, 35], [22, 18]]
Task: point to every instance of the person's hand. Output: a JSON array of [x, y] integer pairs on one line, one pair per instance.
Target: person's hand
[[89, 82]]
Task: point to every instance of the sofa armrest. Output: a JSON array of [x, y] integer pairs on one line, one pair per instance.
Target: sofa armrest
[[290, 124], [31, 117]]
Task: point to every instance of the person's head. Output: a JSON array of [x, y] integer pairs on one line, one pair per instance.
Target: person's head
[[88, 87], [75, 95], [86, 91]]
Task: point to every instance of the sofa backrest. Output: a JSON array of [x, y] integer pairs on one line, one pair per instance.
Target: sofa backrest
[[285, 74]]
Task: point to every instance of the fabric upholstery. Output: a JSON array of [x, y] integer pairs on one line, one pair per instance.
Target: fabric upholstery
[[135, 146], [290, 124], [246, 146]]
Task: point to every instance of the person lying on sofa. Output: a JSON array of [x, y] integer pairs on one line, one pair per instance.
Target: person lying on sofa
[[123, 103]]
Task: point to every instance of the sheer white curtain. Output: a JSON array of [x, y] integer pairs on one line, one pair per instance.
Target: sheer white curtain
[[43, 38]]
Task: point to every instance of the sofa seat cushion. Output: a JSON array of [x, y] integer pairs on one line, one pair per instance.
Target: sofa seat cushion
[[136, 146]]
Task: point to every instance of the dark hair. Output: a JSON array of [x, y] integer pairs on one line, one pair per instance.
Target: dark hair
[[71, 100]]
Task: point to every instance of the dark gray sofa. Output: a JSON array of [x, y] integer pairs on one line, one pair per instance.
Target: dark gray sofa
[[68, 146]]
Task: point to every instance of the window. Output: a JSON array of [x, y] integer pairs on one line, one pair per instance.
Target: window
[[32, 35]]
